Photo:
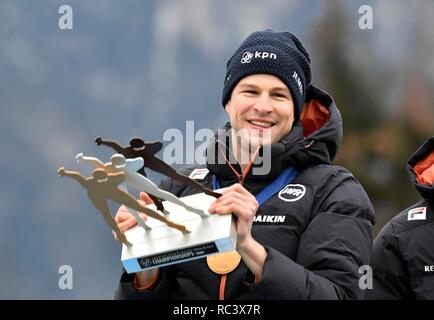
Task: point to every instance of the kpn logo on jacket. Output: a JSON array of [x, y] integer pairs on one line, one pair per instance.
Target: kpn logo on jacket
[[292, 192]]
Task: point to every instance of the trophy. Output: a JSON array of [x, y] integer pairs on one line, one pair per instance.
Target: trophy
[[180, 228]]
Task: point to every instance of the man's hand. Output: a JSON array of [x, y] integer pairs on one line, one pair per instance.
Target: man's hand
[[240, 202], [237, 200], [125, 220], [98, 141], [61, 171]]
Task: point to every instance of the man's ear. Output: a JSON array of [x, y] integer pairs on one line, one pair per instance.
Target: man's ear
[[228, 106]]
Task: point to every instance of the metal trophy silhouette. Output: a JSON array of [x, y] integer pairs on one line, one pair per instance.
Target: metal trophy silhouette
[[158, 241], [110, 168], [102, 186], [133, 179], [147, 150]]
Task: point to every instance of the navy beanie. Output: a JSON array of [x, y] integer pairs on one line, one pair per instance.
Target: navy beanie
[[271, 52]]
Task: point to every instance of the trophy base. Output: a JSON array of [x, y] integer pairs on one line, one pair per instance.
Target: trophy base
[[163, 246]]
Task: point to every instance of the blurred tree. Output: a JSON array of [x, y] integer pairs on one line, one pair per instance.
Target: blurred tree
[[376, 145]]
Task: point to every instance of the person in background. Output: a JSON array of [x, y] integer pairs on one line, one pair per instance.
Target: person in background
[[403, 256]]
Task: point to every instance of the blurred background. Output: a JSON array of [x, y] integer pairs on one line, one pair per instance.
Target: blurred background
[[136, 68]]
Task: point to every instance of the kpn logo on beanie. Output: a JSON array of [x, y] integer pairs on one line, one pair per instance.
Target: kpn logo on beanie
[[248, 56]]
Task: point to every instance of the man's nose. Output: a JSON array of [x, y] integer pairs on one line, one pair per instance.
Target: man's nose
[[263, 104]]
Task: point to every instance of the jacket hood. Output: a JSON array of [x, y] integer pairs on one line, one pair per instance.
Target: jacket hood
[[420, 168], [322, 128], [314, 139]]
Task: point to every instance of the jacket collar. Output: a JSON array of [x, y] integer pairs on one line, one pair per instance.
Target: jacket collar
[[422, 160]]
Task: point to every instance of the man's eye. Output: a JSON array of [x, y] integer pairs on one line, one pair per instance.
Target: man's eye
[[250, 91], [280, 95]]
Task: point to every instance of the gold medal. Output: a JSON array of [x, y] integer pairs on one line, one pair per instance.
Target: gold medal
[[223, 263]]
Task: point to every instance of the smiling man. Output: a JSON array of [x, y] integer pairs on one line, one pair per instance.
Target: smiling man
[[304, 227], [261, 111]]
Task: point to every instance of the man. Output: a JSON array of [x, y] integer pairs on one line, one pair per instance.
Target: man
[[303, 228], [403, 256]]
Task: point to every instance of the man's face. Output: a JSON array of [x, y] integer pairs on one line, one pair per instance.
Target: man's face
[[261, 109]]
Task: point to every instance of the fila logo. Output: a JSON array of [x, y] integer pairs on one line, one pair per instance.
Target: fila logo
[[417, 214], [269, 219], [198, 174], [292, 192], [298, 81], [248, 56]]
